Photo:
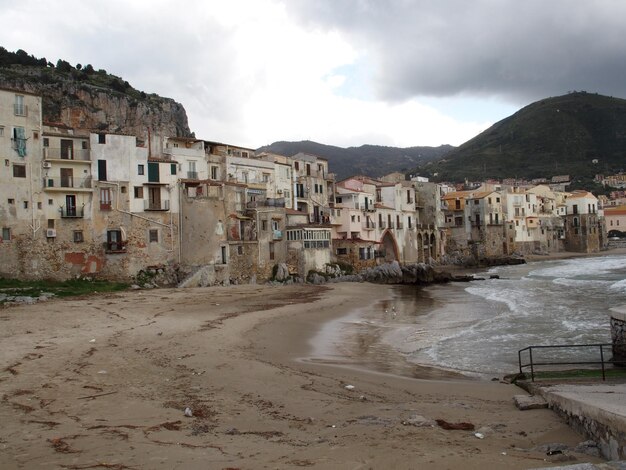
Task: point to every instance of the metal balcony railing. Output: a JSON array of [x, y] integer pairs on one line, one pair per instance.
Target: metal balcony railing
[[156, 205], [72, 212], [66, 182], [50, 153], [192, 175]]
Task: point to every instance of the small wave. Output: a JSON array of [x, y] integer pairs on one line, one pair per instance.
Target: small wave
[[582, 267], [569, 282], [619, 285]]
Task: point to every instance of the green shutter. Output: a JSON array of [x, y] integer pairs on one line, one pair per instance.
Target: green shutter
[[153, 172]]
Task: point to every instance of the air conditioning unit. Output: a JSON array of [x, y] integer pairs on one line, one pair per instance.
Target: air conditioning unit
[[51, 233], [46, 165], [280, 191]]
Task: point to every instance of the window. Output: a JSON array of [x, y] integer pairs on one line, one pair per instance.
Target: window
[[140, 170], [497, 199], [296, 166], [78, 236], [102, 138], [192, 173], [39, 205], [264, 225], [339, 200], [46, 142], [266, 178], [11, 201], [6, 234], [102, 170], [271, 250], [50, 223], [105, 199], [239, 250], [85, 146], [18, 107], [213, 172], [114, 241], [223, 253], [342, 251], [25, 204], [173, 168], [50, 202], [138, 192], [153, 235], [19, 171]]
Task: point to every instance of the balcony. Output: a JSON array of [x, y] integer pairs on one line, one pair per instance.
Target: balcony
[[156, 205], [383, 225], [267, 202], [58, 182], [81, 155], [277, 235], [72, 212], [370, 226], [400, 225], [20, 109], [192, 175]]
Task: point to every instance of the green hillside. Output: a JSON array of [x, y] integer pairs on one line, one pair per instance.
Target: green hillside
[[579, 134]]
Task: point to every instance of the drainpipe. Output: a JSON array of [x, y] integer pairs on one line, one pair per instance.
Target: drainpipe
[[180, 223], [31, 195]]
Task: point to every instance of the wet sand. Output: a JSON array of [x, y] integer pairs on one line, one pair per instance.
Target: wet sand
[[103, 382]]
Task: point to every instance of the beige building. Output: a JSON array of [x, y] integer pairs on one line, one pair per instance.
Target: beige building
[[21, 198]]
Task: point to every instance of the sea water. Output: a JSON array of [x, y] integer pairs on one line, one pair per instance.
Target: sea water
[[477, 328]]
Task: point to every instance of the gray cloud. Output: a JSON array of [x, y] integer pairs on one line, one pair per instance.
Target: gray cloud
[[516, 50]]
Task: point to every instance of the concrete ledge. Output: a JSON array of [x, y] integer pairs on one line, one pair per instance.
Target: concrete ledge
[[597, 411], [619, 313]]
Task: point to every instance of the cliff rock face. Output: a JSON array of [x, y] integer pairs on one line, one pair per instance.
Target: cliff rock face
[[117, 108]]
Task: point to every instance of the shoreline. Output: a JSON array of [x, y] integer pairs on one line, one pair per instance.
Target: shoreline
[[104, 380]]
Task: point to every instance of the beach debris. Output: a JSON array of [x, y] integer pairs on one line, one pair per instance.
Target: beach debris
[[479, 435], [102, 371], [589, 448], [363, 398], [349, 387], [529, 402], [92, 340], [461, 426], [418, 421], [96, 396], [188, 412]]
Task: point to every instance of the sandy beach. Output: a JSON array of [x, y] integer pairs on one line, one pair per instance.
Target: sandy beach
[[103, 382]]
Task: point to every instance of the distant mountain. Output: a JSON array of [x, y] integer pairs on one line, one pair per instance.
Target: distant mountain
[[579, 134], [82, 97], [370, 160]]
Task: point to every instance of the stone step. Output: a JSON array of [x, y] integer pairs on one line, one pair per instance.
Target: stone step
[[529, 402]]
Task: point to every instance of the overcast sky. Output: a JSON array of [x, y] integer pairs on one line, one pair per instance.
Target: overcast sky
[[340, 72]]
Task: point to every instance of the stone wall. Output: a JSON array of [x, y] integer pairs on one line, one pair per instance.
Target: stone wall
[[618, 335]]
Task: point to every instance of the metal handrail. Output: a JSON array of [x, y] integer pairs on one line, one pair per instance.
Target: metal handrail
[[534, 363]]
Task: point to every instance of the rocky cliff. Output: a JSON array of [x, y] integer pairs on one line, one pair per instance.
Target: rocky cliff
[[82, 97]]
